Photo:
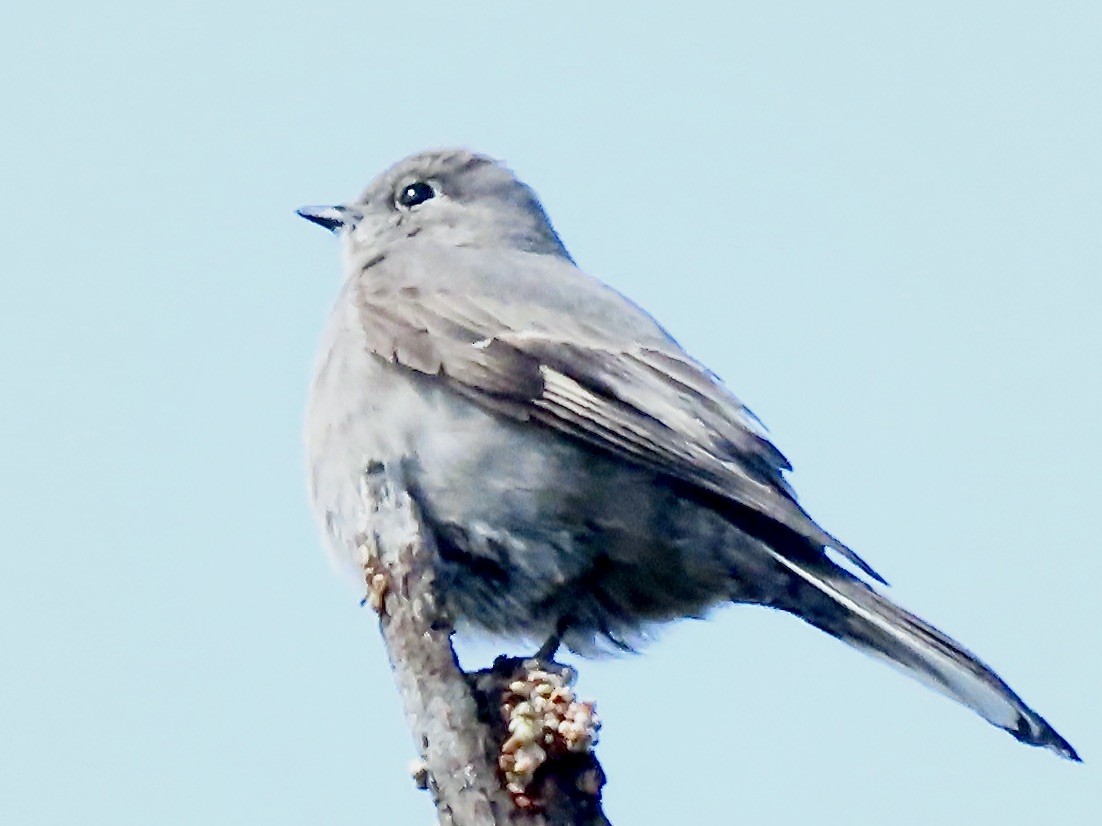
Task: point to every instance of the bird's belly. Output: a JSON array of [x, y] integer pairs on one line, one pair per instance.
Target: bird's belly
[[470, 470], [531, 526]]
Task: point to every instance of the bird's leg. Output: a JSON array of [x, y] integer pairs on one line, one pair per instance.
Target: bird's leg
[[547, 651]]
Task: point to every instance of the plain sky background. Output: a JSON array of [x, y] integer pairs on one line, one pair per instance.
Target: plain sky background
[[881, 223]]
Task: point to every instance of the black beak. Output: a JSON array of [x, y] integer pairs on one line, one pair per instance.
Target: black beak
[[333, 218]]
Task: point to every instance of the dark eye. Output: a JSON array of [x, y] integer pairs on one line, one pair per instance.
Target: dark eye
[[415, 193]]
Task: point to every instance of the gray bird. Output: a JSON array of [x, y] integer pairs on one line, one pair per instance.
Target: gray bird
[[583, 477]]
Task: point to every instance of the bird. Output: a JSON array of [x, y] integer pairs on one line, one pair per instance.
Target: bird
[[584, 479]]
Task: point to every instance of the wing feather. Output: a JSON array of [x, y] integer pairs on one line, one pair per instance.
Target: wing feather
[[649, 404]]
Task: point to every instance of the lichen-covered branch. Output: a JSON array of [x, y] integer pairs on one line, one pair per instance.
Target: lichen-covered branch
[[461, 723]]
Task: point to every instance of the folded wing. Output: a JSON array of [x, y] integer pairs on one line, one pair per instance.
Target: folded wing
[[647, 403]]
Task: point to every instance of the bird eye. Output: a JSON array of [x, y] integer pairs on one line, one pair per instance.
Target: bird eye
[[415, 193]]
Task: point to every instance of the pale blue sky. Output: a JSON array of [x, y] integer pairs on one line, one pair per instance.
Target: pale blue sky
[[881, 223]]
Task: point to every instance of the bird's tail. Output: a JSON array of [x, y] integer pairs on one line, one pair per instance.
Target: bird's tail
[[845, 607]]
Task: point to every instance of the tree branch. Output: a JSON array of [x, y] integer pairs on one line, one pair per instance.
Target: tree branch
[[459, 721]]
